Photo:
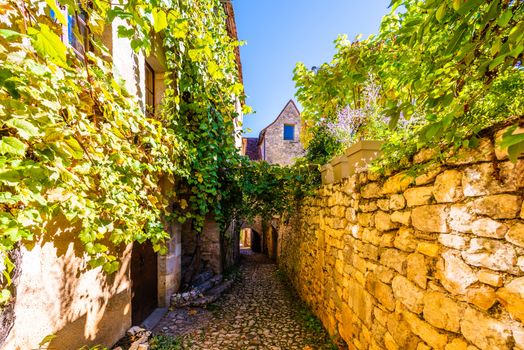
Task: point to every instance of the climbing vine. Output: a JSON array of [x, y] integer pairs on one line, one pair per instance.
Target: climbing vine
[[76, 149], [450, 67]]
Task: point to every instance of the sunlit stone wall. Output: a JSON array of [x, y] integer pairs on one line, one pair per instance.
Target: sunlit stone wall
[[434, 260]]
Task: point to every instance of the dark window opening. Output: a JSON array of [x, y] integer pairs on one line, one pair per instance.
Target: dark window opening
[[289, 132], [150, 91]]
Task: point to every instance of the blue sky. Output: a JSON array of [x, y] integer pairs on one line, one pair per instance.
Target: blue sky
[[280, 33]]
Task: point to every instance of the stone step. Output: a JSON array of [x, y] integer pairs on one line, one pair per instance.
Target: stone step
[[202, 277], [212, 295]]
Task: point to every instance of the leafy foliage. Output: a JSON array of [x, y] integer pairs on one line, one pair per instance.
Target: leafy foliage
[[77, 150], [440, 64]]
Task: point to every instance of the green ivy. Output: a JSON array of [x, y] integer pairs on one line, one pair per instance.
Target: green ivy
[[76, 148], [451, 68]]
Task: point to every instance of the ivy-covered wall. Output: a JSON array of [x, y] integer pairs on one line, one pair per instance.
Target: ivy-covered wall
[[433, 260]]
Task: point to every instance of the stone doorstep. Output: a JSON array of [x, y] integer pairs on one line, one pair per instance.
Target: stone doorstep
[[152, 320]]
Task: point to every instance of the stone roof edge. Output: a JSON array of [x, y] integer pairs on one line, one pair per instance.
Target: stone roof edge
[[263, 131]]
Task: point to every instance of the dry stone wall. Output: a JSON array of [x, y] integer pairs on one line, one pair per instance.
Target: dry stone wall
[[434, 261]]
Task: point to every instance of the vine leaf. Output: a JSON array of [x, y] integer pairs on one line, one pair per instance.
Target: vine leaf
[[25, 129], [48, 44], [12, 145], [159, 19]]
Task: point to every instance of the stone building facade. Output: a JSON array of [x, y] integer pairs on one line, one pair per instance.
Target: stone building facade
[[279, 142], [56, 292], [434, 261]]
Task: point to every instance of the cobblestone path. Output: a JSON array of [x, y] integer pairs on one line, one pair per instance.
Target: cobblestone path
[[259, 312]]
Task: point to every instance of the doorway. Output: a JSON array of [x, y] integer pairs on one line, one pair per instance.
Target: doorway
[[144, 282]]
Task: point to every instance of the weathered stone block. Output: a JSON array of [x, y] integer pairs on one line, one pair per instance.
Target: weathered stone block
[[401, 332], [454, 274], [417, 269], [487, 227], [491, 254], [384, 274], [482, 296], [512, 298], [394, 259], [516, 234], [428, 249], [397, 183], [460, 218], [430, 218], [367, 206], [397, 202], [448, 187], [405, 240], [381, 291], [361, 302], [371, 190], [383, 222], [410, 295], [501, 206], [452, 241], [483, 153], [401, 217], [424, 155], [383, 204], [389, 342], [489, 277], [425, 331], [371, 236], [366, 219], [457, 344], [485, 332], [418, 196], [442, 312], [428, 176]]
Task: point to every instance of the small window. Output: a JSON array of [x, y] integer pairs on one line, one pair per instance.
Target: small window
[[150, 91], [289, 132]]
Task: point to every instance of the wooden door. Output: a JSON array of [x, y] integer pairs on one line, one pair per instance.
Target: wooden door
[[144, 279]]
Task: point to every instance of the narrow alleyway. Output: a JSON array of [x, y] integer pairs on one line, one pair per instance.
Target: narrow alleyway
[[259, 312]]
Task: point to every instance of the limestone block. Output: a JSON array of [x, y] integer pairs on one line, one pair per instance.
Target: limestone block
[[485, 332], [367, 206], [425, 331], [371, 190], [460, 218], [394, 259], [424, 155], [366, 219], [482, 296], [401, 332], [381, 291], [405, 240], [423, 346], [477, 179], [384, 274], [387, 240], [383, 204], [457, 344], [418, 195], [410, 295], [522, 211], [430, 218], [380, 315], [369, 251], [490, 277], [512, 298], [452, 241], [397, 183], [442, 312], [520, 263], [511, 175], [351, 215], [417, 269], [502, 206], [371, 235], [483, 153], [397, 202], [389, 342], [516, 234], [518, 334], [448, 187], [492, 254], [487, 227], [428, 176], [401, 217], [454, 274], [361, 302], [428, 249], [383, 222]]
